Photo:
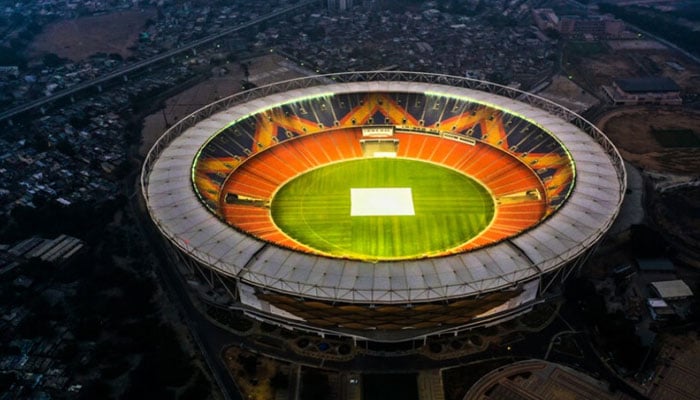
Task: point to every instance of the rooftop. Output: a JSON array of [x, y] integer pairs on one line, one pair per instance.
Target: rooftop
[[648, 84], [672, 289], [656, 264], [562, 237]]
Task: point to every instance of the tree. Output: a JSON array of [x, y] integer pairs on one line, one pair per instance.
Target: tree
[[95, 390], [52, 60], [279, 380], [552, 33], [249, 364], [65, 147], [34, 327], [315, 386], [198, 389], [646, 242]]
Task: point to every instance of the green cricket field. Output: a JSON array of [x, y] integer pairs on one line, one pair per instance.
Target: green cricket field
[[382, 209]]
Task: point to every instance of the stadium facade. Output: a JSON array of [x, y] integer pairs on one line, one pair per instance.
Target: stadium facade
[[556, 181]]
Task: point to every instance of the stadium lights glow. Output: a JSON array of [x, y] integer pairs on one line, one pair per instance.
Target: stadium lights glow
[[237, 120], [524, 118]]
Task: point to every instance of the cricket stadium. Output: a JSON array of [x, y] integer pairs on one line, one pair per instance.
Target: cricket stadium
[[381, 206]]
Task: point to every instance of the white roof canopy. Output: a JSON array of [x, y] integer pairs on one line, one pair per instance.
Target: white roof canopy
[[676, 289], [575, 227]]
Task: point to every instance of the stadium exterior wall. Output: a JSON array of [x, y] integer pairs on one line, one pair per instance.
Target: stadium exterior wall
[[226, 290]]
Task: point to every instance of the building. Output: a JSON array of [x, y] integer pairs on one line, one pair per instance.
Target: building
[[656, 265], [59, 250], [545, 19], [339, 5], [650, 90], [217, 214], [574, 26], [671, 290], [599, 27], [537, 379], [659, 309]]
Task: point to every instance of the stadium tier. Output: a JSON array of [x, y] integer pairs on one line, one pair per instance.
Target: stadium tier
[[384, 205]]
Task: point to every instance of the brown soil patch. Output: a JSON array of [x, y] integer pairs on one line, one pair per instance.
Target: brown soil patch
[[630, 129], [185, 103], [688, 78], [678, 212], [80, 38], [263, 70], [601, 69], [565, 92]]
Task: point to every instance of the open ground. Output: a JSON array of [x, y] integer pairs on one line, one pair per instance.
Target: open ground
[[565, 92], [631, 129], [263, 70], [594, 64], [78, 39]]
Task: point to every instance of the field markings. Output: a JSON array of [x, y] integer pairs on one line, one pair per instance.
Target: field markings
[[381, 202], [445, 209]]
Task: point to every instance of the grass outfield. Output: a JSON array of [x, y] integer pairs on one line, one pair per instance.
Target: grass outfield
[[450, 209]]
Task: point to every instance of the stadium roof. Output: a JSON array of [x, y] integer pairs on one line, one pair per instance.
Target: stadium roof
[[647, 85], [676, 289], [579, 223]]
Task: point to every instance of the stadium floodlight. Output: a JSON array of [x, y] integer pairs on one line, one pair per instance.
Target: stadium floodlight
[[490, 198]]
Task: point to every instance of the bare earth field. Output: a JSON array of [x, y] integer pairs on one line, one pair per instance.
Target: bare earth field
[[567, 93], [263, 70], [618, 45], [607, 64], [631, 131], [80, 38]]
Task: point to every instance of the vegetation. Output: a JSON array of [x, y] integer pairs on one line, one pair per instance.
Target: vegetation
[[82, 219], [314, 385], [540, 314], [390, 386], [105, 299], [615, 333], [646, 242]]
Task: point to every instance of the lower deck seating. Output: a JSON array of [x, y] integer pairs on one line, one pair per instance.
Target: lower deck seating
[[502, 173]]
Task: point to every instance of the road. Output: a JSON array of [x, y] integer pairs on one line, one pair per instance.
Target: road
[[123, 72], [209, 338]]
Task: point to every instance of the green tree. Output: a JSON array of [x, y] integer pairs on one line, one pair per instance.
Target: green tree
[[52, 60]]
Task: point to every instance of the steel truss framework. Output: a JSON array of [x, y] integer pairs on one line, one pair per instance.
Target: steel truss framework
[[391, 76], [548, 288], [205, 269]]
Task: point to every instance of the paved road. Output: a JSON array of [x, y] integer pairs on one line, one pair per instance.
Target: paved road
[[123, 72]]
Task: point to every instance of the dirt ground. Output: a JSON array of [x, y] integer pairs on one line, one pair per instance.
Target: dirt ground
[[601, 68], [80, 38], [256, 386], [678, 211], [630, 130], [263, 70], [565, 92]]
